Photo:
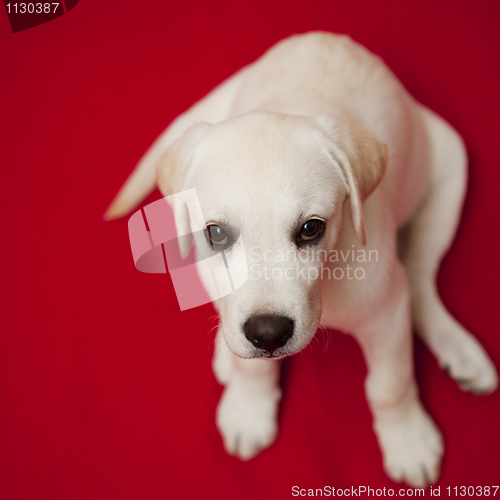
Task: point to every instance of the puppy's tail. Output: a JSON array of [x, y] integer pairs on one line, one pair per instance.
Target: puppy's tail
[[139, 185]]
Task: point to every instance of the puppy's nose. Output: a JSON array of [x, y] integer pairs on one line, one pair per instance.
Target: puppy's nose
[[268, 331]]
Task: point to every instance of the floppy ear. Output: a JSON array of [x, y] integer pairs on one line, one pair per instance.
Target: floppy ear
[[171, 171], [173, 164], [363, 160]]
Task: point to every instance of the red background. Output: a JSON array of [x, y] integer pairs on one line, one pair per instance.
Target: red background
[[106, 389]]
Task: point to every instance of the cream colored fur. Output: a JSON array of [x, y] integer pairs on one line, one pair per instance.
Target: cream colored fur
[[321, 127]]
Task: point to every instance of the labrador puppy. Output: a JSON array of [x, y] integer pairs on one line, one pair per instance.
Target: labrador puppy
[[316, 151]]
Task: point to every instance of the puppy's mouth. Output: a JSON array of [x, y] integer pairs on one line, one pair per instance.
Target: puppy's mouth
[[270, 355]]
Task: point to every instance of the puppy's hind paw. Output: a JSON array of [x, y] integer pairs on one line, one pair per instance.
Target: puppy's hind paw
[[247, 422], [412, 449], [467, 362]]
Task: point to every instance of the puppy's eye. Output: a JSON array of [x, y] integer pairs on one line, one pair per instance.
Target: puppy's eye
[[217, 237], [310, 231]]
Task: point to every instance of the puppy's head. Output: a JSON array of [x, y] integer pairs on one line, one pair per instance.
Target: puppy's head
[[272, 187]]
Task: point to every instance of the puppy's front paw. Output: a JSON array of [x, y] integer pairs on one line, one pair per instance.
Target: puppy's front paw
[[247, 419], [412, 448]]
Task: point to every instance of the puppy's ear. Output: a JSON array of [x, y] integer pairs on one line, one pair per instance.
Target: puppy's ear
[[174, 163], [171, 172], [363, 160]]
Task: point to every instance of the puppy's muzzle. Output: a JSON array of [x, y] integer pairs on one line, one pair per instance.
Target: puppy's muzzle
[[268, 332]]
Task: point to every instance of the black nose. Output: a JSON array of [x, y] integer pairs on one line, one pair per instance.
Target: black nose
[[268, 331]]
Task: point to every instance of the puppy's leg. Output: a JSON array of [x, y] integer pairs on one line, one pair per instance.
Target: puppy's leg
[[411, 444], [222, 364], [247, 415], [424, 242]]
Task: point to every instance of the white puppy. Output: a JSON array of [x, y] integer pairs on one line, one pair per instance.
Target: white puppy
[[316, 150]]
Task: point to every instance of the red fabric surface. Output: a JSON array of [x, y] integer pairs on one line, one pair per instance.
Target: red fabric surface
[[106, 389]]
